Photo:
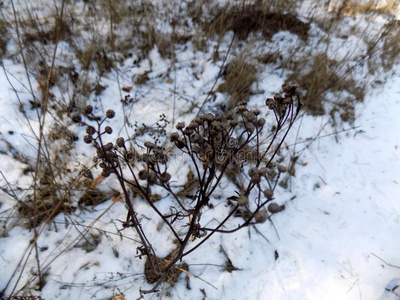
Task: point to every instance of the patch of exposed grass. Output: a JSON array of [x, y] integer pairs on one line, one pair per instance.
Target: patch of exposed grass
[[321, 78], [246, 19], [238, 79]]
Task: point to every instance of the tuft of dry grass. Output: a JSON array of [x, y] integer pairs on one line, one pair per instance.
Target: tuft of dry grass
[[246, 19], [322, 77], [238, 79]]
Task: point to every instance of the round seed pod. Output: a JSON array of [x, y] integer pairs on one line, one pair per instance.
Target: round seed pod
[[241, 109], [243, 200], [130, 156], [88, 109], [261, 122], [76, 118], [152, 178], [260, 216], [120, 142], [143, 174], [192, 125], [256, 111], [149, 145], [87, 139], [249, 116], [218, 117], [108, 146], [287, 100], [270, 103], [269, 194], [198, 120], [110, 114], [249, 127], [195, 137], [108, 130], [90, 130], [253, 171], [180, 125], [282, 169], [233, 123], [209, 117], [263, 171], [174, 137], [229, 115], [106, 173], [275, 208], [188, 131], [278, 97], [165, 177], [256, 178]]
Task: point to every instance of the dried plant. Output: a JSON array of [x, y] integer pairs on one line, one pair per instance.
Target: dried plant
[[212, 143]]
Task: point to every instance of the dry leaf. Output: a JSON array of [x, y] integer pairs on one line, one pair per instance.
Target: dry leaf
[[97, 181], [127, 88]]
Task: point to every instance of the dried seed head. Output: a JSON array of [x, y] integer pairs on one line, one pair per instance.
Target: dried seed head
[[260, 216], [174, 137], [108, 130], [241, 109], [180, 125], [105, 173], [88, 109], [287, 100], [249, 127], [256, 178], [195, 137], [110, 114], [263, 171], [108, 146], [152, 178], [256, 111], [253, 171], [208, 117], [275, 208], [269, 194], [149, 145], [76, 118], [278, 97], [261, 122], [192, 125], [243, 200], [198, 120], [165, 177], [143, 174], [120, 142], [282, 169], [87, 139], [233, 123], [270, 103], [90, 130], [130, 156], [188, 131]]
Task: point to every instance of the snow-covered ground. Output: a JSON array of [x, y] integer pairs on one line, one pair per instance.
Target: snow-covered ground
[[338, 237]]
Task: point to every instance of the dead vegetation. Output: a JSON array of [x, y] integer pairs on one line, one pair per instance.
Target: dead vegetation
[[248, 19], [238, 79]]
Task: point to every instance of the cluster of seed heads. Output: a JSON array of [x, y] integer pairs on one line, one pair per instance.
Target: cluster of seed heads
[[111, 155], [216, 138]]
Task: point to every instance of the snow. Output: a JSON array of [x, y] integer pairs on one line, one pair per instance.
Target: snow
[[335, 239]]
